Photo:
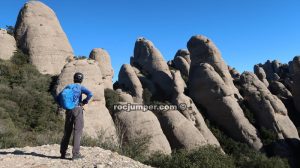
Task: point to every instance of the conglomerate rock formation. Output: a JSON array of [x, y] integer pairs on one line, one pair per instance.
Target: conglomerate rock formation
[[208, 89], [268, 108], [103, 59], [39, 34], [143, 125], [129, 81], [149, 70], [197, 81], [211, 85], [148, 59]]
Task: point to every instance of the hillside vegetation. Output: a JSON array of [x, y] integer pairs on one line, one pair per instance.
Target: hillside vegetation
[[27, 108]]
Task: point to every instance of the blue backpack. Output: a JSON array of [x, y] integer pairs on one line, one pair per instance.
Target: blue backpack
[[69, 97]]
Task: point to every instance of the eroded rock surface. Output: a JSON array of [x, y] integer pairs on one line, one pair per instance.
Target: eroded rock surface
[[102, 57], [39, 34], [148, 59], [203, 50], [208, 89], [190, 111], [143, 125], [129, 81], [268, 108], [7, 45]]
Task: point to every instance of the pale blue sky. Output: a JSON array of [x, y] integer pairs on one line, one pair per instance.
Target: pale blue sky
[[246, 31]]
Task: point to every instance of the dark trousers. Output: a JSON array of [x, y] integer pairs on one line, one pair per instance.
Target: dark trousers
[[73, 120]]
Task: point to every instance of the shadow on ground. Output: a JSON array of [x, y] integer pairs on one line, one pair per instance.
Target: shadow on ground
[[18, 152]]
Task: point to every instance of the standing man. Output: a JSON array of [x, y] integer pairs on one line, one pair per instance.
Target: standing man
[[74, 117]]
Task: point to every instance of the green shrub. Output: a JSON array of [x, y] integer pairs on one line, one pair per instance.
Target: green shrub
[[268, 136], [27, 103], [243, 155], [135, 148], [248, 113], [112, 98], [10, 30], [100, 141], [204, 157], [80, 57], [185, 78], [147, 95]]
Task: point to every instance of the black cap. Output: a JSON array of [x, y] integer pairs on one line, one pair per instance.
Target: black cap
[[78, 77]]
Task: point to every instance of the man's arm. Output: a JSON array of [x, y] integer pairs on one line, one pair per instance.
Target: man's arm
[[88, 94]]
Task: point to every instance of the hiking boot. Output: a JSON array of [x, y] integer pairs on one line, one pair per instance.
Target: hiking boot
[[78, 156], [64, 155]]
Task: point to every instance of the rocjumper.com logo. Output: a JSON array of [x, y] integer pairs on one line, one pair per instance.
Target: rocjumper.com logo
[[152, 107]]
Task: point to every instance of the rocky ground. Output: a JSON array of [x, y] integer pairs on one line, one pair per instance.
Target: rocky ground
[[47, 156]]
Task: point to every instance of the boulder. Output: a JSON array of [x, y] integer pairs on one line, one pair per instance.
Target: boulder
[[296, 82], [278, 89], [97, 118], [190, 111], [38, 33], [271, 69], [203, 50], [234, 73], [146, 83], [7, 45], [208, 89], [151, 63], [260, 73], [181, 132], [129, 81], [182, 65], [142, 126], [102, 57], [184, 53], [125, 96], [276, 66], [268, 109]]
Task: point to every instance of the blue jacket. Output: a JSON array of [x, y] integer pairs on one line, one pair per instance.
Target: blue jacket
[[78, 95]]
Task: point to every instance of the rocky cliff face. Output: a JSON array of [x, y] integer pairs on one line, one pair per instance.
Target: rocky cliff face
[[208, 89], [148, 59], [203, 50], [268, 108], [150, 71], [39, 34], [211, 85]]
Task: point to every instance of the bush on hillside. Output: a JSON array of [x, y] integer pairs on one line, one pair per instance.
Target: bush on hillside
[[112, 98], [10, 30], [26, 102], [147, 95], [204, 157], [243, 155]]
